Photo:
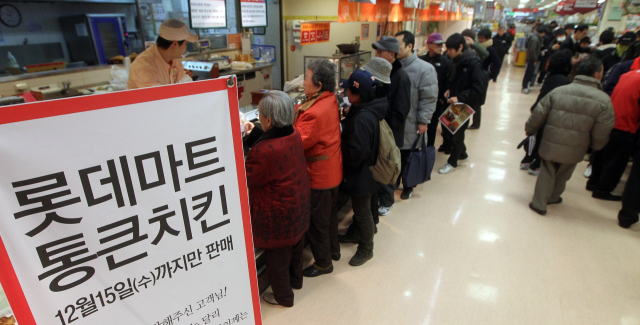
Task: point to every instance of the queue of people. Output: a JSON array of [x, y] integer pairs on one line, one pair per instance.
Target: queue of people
[[306, 161]]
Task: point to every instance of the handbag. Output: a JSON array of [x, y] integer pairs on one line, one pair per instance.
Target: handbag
[[419, 164]]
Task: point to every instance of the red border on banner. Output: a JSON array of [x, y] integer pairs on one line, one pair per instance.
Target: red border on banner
[[31, 111]]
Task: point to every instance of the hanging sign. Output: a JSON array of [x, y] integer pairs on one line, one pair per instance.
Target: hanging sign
[[253, 13], [312, 33], [127, 208], [207, 14]]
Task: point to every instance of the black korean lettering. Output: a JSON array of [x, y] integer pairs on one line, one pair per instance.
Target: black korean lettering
[[27, 197], [185, 219], [124, 290], [191, 156], [49, 256], [134, 231], [144, 182], [174, 164], [87, 306], [112, 179], [208, 196], [127, 180], [164, 224]]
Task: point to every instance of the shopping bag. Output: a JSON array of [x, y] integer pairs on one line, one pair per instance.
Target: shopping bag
[[419, 164]]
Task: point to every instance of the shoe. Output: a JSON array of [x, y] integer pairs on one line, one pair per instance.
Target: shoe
[[606, 196], [406, 193], [463, 160], [525, 166], [534, 172], [556, 202], [270, 299], [495, 80], [590, 187], [538, 211], [626, 224], [447, 152], [360, 258], [447, 169], [442, 148], [383, 211], [336, 257], [587, 173], [375, 229], [313, 271], [525, 91], [473, 127], [349, 239]]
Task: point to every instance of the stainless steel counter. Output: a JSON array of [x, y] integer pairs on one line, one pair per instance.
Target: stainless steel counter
[[34, 75], [256, 66]]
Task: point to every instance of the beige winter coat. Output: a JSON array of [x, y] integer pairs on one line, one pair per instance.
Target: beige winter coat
[[578, 116]]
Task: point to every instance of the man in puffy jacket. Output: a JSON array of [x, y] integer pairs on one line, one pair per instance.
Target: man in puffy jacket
[[424, 94], [534, 54], [609, 164], [578, 116], [467, 84], [399, 105]]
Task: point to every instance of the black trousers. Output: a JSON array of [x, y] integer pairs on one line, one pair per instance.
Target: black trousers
[[404, 156], [385, 194], [529, 75], [608, 164], [322, 225], [363, 222], [341, 200], [432, 128], [447, 138], [477, 117], [543, 69], [458, 150], [374, 205], [284, 267], [630, 202]]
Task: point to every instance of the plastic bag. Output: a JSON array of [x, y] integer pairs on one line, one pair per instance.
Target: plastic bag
[[119, 78], [266, 58], [293, 84]]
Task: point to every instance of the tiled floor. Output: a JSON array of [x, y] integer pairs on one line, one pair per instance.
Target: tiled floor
[[466, 249]]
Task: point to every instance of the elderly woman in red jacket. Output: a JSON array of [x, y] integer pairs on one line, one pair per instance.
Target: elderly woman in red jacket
[[318, 121], [279, 196]]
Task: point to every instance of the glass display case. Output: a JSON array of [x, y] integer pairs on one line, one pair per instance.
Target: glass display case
[[346, 63]]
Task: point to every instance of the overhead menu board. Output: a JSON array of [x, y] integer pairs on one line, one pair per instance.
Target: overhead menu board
[[313, 33], [128, 208], [208, 14], [253, 13]]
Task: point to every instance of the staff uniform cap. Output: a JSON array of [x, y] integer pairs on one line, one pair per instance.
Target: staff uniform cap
[[175, 30]]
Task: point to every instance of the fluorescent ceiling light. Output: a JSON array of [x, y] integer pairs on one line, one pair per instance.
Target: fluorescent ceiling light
[[520, 6]]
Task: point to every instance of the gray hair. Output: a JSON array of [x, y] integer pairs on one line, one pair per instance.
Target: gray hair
[[279, 107], [324, 72]]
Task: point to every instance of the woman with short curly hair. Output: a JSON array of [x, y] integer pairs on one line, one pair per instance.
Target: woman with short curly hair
[[318, 121]]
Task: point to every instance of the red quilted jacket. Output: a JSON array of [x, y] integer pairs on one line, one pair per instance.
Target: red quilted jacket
[[278, 189], [319, 126]]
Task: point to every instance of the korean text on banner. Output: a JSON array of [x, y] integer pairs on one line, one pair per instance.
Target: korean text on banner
[[208, 14], [253, 13], [130, 207], [314, 33]]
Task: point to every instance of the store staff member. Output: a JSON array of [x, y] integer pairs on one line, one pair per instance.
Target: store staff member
[[160, 64]]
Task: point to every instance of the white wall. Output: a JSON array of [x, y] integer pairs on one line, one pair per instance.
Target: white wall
[[618, 25], [447, 28], [47, 15]]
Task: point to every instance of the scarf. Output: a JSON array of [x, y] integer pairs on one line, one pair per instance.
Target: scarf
[[621, 49], [487, 44], [307, 104]]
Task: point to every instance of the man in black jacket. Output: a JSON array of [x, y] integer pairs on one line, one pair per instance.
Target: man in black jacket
[[502, 42], [360, 139], [492, 64], [441, 63], [399, 106], [573, 42], [467, 84]]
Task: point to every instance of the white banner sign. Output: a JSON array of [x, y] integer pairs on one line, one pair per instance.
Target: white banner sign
[[127, 208], [208, 14], [254, 13]]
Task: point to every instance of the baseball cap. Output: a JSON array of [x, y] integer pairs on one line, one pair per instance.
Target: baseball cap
[[387, 43], [359, 79], [379, 69], [435, 38], [175, 30], [627, 38]]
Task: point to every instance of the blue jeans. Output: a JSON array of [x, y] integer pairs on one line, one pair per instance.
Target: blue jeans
[[530, 74]]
